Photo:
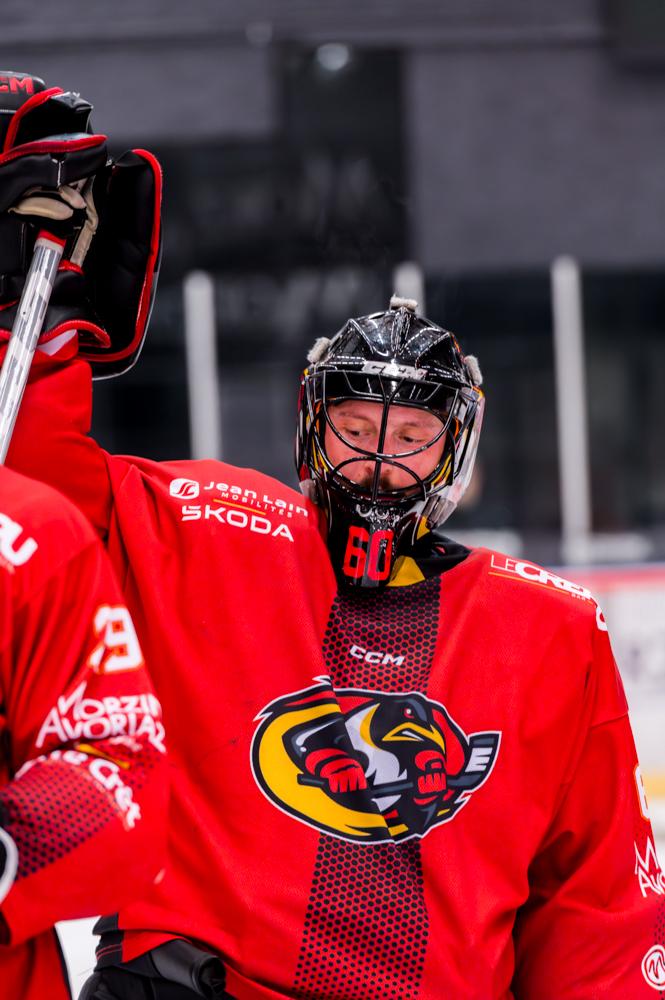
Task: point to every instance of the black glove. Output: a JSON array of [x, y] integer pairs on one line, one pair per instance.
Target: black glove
[[56, 174]]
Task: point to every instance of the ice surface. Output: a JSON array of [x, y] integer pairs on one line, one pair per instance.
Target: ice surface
[[78, 945]]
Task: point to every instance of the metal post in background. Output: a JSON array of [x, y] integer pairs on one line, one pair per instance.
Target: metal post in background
[[409, 283], [205, 422], [571, 405]]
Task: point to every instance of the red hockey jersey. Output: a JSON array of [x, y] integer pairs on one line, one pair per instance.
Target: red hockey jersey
[[82, 779], [428, 792]]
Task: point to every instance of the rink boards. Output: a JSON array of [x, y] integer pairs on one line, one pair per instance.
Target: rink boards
[[633, 602]]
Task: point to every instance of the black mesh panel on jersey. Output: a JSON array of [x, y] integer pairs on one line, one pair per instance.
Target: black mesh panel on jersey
[[54, 789], [366, 926], [65, 803]]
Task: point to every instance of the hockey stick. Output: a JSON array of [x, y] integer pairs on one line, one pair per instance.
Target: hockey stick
[[461, 781], [375, 791], [483, 748], [25, 332]]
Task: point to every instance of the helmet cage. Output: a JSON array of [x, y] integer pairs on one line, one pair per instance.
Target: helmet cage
[[394, 359], [455, 405]]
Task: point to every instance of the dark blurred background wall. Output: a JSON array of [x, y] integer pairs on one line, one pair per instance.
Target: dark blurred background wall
[[308, 148]]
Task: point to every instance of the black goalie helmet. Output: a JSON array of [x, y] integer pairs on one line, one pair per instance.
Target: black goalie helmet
[[389, 416]]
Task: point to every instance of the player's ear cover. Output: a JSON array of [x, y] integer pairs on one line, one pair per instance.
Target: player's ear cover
[[46, 142]]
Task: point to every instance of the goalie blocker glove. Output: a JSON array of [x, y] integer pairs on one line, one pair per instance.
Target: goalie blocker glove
[[55, 173]]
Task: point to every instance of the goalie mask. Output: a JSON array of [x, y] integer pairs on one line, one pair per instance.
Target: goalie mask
[[389, 417]]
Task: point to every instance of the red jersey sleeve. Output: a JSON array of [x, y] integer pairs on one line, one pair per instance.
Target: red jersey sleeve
[[82, 766], [51, 439], [594, 923]]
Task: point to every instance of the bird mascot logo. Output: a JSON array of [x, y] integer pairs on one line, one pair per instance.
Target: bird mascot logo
[[367, 766]]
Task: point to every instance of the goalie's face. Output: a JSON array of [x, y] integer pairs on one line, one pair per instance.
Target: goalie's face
[[408, 439]]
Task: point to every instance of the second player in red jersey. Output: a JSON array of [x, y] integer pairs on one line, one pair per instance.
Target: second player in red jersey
[[82, 772]]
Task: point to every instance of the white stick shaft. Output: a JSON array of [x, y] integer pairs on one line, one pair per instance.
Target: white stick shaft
[[25, 334]]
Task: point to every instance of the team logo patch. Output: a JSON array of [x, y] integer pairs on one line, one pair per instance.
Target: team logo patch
[[368, 766]]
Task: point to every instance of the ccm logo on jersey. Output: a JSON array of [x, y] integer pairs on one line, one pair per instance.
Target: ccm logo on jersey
[[367, 766], [374, 657], [11, 552]]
